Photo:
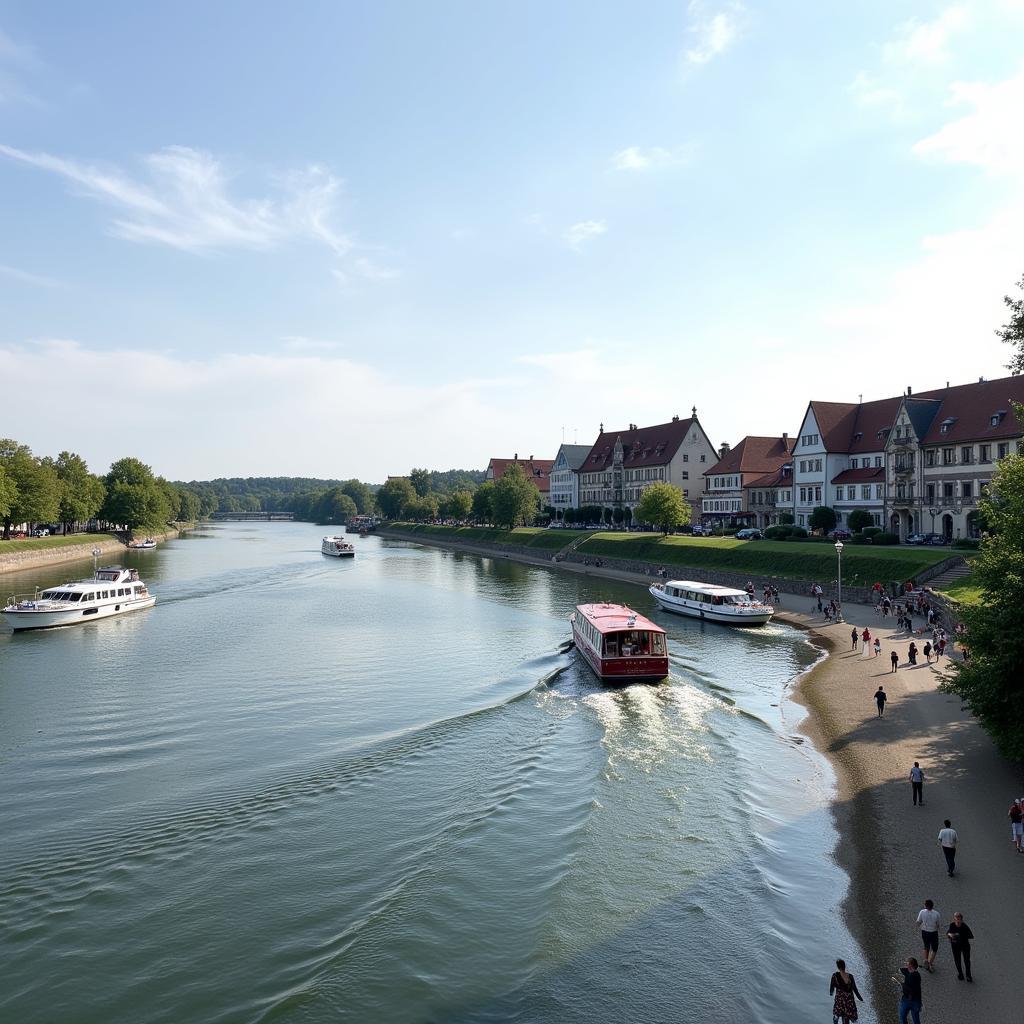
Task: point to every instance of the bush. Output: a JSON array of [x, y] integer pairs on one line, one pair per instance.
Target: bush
[[885, 538], [778, 532], [871, 531], [859, 538], [966, 544], [798, 533]]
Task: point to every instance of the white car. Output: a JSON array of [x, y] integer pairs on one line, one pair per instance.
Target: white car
[[41, 532]]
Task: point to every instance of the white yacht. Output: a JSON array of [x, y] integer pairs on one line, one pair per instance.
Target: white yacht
[[111, 591], [337, 547], [711, 603]]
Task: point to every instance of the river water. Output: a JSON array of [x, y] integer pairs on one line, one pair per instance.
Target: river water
[[384, 790]]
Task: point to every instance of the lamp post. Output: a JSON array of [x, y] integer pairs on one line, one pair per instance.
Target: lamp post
[[934, 512], [839, 560]]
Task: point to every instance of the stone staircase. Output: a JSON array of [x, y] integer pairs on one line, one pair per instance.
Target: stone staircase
[[951, 575]]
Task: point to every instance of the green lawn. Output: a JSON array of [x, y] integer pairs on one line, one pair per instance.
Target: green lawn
[[965, 590], [41, 543], [530, 537], [862, 565]]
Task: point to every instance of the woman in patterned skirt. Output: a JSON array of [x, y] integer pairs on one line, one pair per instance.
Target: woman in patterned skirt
[[845, 988]]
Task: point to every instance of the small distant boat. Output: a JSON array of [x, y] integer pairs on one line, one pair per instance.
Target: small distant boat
[[711, 603], [337, 547], [618, 644], [111, 591], [142, 545]]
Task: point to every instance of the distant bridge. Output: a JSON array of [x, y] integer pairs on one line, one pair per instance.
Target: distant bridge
[[250, 517]]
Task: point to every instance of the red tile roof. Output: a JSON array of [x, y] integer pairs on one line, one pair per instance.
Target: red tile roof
[[754, 455], [780, 478], [537, 470], [641, 446], [861, 474], [971, 408]]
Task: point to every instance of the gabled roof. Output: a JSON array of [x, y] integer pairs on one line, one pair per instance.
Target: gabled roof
[[851, 427], [782, 477], [754, 455], [575, 454], [863, 474], [641, 446], [971, 408], [537, 470], [921, 412]]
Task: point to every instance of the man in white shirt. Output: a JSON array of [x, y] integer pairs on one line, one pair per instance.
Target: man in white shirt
[[948, 840], [917, 783], [928, 921]]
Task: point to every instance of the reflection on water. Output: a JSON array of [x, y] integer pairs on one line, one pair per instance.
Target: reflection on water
[[384, 790]]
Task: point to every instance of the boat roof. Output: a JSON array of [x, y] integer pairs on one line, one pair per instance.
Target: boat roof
[[608, 618], [706, 588]]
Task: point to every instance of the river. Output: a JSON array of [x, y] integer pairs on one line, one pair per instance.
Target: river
[[385, 790]]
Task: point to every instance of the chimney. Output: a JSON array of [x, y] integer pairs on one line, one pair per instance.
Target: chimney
[[909, 392], [724, 450], [516, 457], [981, 380], [675, 419], [601, 429], [947, 383], [531, 458]]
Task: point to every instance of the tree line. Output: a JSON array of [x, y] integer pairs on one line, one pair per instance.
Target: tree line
[[43, 490]]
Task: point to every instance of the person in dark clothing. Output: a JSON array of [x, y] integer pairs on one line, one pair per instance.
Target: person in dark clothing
[[853, 639], [880, 699], [912, 653], [895, 659], [917, 784], [960, 935], [910, 1003], [845, 988]]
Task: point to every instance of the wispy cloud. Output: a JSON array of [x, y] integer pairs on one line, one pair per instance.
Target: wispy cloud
[[299, 343], [984, 137], [873, 92], [714, 28], [636, 158], [585, 231], [927, 42], [16, 59], [25, 277], [185, 202]]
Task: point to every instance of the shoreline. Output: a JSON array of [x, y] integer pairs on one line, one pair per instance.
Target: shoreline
[[35, 558], [887, 847]]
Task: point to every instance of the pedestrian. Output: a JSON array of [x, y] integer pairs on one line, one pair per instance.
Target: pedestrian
[[819, 600], [845, 988], [1016, 816], [878, 647], [912, 653], [960, 935], [853, 639], [910, 1003], [942, 647], [949, 840], [927, 652], [866, 637], [928, 921], [880, 699], [828, 613], [917, 784]]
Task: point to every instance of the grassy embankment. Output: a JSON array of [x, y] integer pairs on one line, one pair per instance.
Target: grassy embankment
[[42, 543], [965, 590], [862, 565]]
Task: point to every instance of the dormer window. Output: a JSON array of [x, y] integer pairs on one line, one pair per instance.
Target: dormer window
[[997, 418], [947, 425]]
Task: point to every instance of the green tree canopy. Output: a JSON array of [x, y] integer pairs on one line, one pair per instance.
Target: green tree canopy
[[456, 505], [483, 502], [822, 518], [189, 507], [1012, 332], [35, 495], [335, 506], [516, 499], [392, 497], [420, 509], [859, 519], [8, 493], [989, 682], [135, 498], [664, 506], [420, 480], [360, 494], [81, 492]]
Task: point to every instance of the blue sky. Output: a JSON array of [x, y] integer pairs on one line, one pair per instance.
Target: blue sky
[[342, 239]]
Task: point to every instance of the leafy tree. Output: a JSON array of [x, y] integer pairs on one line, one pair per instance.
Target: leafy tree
[[664, 506], [189, 506], [81, 492], [35, 495], [859, 519], [134, 497], [989, 682], [516, 499], [420, 480], [360, 494], [335, 506], [420, 509], [483, 503], [392, 497], [627, 516], [8, 493], [1012, 332], [786, 519], [822, 518], [172, 495], [457, 505]]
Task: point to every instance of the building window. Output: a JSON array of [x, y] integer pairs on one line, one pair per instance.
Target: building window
[[1002, 451], [967, 454], [948, 456], [839, 494], [985, 454], [851, 493], [703, 458], [931, 492], [853, 463], [817, 495], [947, 490], [686, 474], [878, 462], [966, 489], [878, 492], [865, 492], [929, 457], [686, 457]]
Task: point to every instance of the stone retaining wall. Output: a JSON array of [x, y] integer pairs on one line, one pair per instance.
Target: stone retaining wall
[[30, 558]]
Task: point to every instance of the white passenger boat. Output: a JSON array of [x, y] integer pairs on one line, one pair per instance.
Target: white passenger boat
[[143, 545], [337, 547], [111, 591], [711, 603]]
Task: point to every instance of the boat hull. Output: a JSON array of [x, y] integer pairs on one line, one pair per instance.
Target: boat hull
[[645, 669], [339, 554], [706, 614], [24, 619]]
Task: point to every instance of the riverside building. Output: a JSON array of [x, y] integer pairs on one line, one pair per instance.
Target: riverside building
[[537, 470], [565, 480], [729, 481]]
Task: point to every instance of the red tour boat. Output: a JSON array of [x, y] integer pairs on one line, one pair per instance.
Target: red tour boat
[[619, 644]]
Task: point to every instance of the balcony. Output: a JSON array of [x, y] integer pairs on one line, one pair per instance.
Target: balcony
[[907, 501]]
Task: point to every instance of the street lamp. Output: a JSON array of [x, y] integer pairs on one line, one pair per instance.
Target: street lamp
[[839, 559], [934, 512]]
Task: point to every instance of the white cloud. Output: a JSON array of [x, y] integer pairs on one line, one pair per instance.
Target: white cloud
[[583, 232], [185, 203], [300, 343], [988, 136], [873, 92], [635, 158], [927, 42], [25, 277], [714, 29]]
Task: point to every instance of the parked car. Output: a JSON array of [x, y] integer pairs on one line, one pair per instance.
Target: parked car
[[935, 539], [699, 530], [749, 533], [840, 533], [41, 531], [916, 538]]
